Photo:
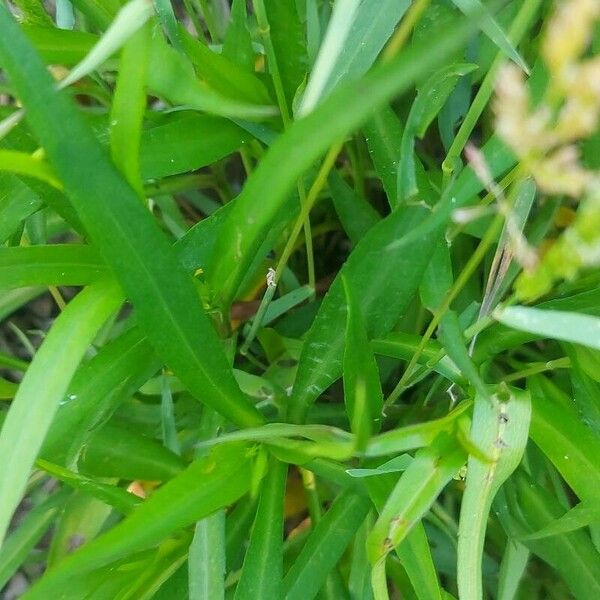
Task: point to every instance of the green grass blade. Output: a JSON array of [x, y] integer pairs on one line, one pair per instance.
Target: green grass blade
[[581, 515], [206, 485], [237, 45], [131, 243], [325, 545], [166, 15], [206, 560], [39, 395], [512, 568], [262, 573], [499, 429]]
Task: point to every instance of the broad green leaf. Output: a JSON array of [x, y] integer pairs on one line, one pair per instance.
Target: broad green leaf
[[206, 485], [571, 446], [127, 111], [325, 546], [415, 492], [430, 98], [356, 215], [383, 298], [128, 239], [416, 436], [114, 451], [492, 29], [171, 76], [560, 325], [21, 163], [224, 75], [383, 134], [500, 428], [57, 264], [307, 139], [39, 395], [114, 496], [59, 46], [206, 560], [362, 387], [25, 537], [262, 573], [185, 141]]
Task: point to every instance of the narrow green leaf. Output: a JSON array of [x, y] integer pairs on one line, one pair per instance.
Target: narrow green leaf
[[325, 545], [113, 451], [162, 293], [500, 429], [581, 515], [166, 15], [127, 111], [383, 134], [492, 29], [206, 485], [395, 465], [17, 202], [362, 387], [512, 568], [560, 325], [415, 492], [114, 496], [342, 17], [206, 560], [415, 436], [262, 573], [403, 346], [289, 43], [38, 398], [237, 46]]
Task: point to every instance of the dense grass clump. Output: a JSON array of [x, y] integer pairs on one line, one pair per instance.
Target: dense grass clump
[[299, 299]]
